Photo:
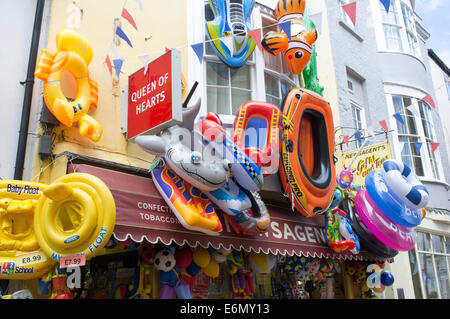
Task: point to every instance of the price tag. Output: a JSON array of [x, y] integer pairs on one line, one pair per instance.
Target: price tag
[[30, 259], [72, 261]]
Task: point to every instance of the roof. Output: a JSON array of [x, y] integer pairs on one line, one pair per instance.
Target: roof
[[438, 61]]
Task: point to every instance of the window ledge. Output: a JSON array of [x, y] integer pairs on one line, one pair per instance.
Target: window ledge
[[434, 181], [350, 29]]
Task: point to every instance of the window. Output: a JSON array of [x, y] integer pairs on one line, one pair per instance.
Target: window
[[425, 116], [447, 84], [430, 266], [391, 27], [356, 119], [276, 89], [408, 21], [408, 134], [344, 15]]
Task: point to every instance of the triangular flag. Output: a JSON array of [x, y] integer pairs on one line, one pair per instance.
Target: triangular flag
[[140, 4], [412, 109], [116, 52], [108, 64], [418, 146], [145, 59], [400, 147], [256, 35], [316, 18], [228, 42], [128, 17], [198, 49], [286, 27], [346, 140], [122, 34], [434, 146], [118, 66], [429, 100], [384, 125], [386, 4], [350, 9], [358, 136], [398, 117]]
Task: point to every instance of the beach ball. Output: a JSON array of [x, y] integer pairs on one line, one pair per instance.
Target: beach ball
[[386, 278], [262, 263], [201, 256], [212, 270], [183, 257]]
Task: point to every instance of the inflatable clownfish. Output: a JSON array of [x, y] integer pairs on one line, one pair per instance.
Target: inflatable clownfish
[[297, 48]]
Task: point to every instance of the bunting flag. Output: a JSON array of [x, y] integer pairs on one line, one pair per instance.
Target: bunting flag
[[418, 146], [140, 4], [434, 146], [145, 59], [350, 9], [346, 140], [118, 66], [127, 16], [122, 34], [384, 125], [286, 27], [429, 100], [256, 35], [116, 52], [400, 147], [398, 117], [358, 136], [386, 4], [412, 109], [108, 64], [198, 49], [316, 18]]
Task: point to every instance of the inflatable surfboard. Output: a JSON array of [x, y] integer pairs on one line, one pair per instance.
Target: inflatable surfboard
[[191, 206], [307, 170], [257, 132]]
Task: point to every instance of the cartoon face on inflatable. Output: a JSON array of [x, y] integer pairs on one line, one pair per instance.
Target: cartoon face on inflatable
[[345, 178]]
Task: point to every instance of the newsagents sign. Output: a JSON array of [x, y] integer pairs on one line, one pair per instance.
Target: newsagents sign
[[154, 97]]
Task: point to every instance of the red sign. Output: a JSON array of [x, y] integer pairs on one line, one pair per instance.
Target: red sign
[[154, 97]]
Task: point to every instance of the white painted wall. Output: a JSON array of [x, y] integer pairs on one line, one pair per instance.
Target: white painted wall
[[17, 28]]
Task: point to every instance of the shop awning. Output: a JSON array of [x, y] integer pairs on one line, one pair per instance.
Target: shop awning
[[143, 214]]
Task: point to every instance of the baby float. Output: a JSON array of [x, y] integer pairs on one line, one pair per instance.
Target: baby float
[[256, 131], [21, 256], [297, 48], [191, 206], [74, 53], [245, 171], [231, 20], [307, 169], [75, 215]]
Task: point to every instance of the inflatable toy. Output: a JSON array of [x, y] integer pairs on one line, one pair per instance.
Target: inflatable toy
[[165, 260], [296, 47], [346, 231], [386, 278], [257, 132], [201, 256], [183, 257], [75, 215], [261, 263], [21, 256], [366, 238], [179, 154], [404, 183], [182, 290], [244, 209], [337, 197], [73, 55], [231, 20], [220, 255], [244, 169], [192, 207], [395, 236], [335, 240], [212, 269], [389, 203], [345, 177], [235, 260], [307, 169]]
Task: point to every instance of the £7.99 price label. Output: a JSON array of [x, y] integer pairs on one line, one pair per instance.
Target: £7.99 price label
[[72, 261]]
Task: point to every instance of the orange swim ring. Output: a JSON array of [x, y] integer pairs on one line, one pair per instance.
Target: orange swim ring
[[307, 169]]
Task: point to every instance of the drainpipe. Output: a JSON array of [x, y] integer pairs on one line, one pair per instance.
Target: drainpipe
[[26, 108]]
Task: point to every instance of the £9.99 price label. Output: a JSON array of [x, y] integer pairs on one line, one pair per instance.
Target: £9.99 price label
[[30, 259], [72, 261]]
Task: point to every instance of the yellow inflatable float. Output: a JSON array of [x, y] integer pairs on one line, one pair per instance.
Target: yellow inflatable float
[[74, 53], [75, 215], [20, 254]]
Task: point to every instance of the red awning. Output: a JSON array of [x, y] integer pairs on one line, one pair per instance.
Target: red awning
[[143, 214]]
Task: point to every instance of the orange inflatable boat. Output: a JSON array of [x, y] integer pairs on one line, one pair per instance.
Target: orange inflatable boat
[[257, 132], [307, 169]]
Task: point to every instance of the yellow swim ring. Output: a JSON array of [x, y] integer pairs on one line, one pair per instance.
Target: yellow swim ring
[[75, 215], [74, 53], [20, 254]]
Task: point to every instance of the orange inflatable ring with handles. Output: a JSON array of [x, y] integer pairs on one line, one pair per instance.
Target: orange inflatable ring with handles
[[74, 53], [257, 132], [307, 170], [21, 256]]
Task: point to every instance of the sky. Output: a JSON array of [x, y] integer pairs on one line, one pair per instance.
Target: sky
[[435, 15]]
